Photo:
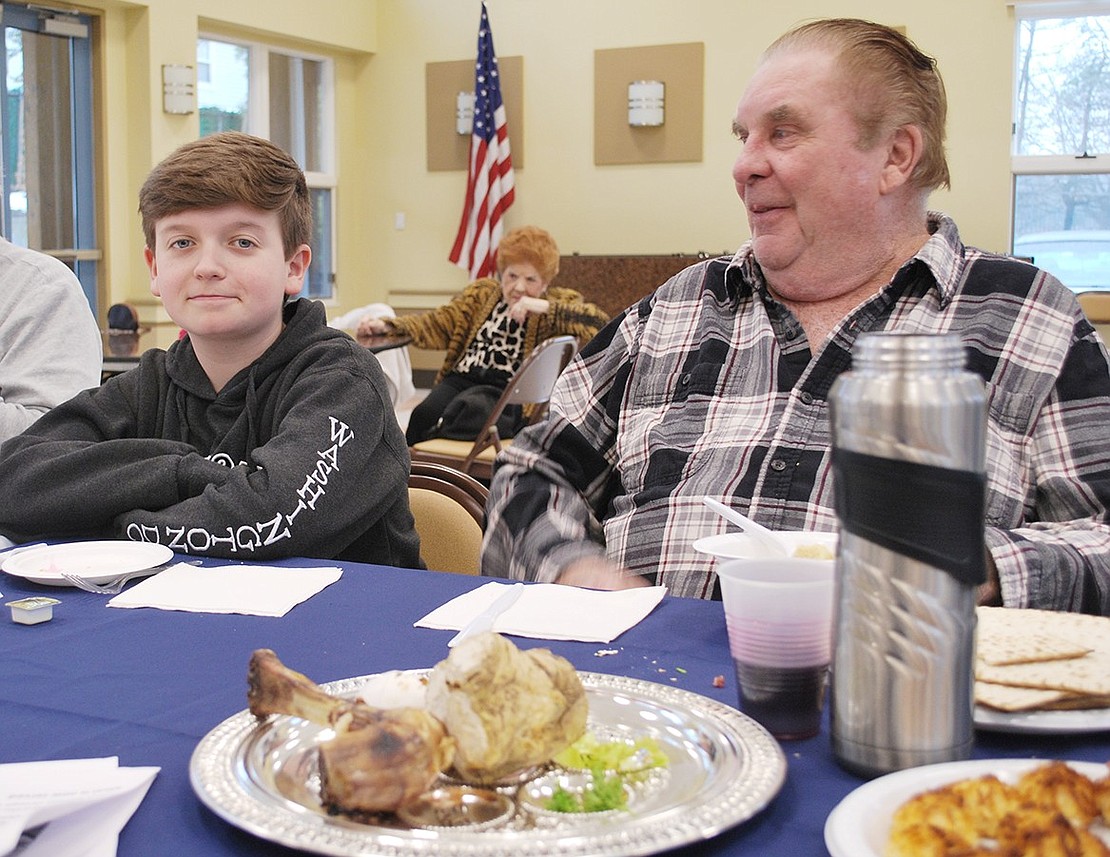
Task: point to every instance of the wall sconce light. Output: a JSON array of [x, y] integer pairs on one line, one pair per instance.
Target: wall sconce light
[[179, 90], [464, 113], [645, 103]]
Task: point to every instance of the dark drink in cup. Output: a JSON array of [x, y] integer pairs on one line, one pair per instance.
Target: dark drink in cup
[[786, 701], [778, 613]]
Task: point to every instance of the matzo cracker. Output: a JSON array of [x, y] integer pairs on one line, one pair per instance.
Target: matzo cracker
[[1004, 697], [1041, 659]]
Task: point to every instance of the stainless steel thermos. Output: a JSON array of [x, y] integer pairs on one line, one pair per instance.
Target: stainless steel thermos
[[909, 437]]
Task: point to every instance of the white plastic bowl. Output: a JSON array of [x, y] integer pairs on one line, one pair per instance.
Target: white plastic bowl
[[742, 546]]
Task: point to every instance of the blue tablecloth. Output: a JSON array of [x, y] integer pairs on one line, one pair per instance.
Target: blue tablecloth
[[146, 685]]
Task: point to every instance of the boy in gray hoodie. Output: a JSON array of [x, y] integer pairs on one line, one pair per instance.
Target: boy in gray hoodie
[[262, 433]]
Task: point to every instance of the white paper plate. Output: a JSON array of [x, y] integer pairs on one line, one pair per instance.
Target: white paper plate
[[1063, 722], [97, 562], [859, 825]]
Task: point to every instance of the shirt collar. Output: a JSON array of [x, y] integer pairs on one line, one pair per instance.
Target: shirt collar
[[943, 255], [743, 274]]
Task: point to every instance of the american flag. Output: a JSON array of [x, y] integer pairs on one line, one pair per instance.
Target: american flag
[[489, 184]]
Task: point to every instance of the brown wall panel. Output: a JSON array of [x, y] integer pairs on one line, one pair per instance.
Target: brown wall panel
[[443, 81], [616, 282], [681, 68]]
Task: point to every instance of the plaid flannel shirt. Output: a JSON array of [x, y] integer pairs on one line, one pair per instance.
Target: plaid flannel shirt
[[708, 387]]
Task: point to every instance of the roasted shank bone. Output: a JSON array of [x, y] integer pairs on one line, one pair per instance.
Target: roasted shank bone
[[273, 688], [378, 760]]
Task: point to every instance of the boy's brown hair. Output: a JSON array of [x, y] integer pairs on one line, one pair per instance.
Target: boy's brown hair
[[224, 169]]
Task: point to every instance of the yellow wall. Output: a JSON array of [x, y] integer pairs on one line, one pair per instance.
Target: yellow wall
[[137, 38], [657, 208], [381, 49]]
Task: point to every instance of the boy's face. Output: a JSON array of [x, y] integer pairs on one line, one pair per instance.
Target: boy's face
[[222, 274]]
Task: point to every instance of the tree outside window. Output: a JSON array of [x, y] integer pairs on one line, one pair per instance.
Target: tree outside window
[[286, 98], [1061, 144]]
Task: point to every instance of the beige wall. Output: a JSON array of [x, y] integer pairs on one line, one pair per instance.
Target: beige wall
[[657, 208], [381, 50], [137, 38]]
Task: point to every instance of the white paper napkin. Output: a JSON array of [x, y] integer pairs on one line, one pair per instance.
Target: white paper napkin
[[254, 590], [552, 611], [84, 804]]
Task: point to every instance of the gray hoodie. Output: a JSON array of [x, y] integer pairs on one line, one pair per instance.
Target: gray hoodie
[[299, 454]]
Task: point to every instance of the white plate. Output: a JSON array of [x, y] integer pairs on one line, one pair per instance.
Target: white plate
[[859, 825], [1060, 722], [97, 562]]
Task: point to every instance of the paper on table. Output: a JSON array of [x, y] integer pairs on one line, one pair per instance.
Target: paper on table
[[552, 611], [254, 590], [84, 804]]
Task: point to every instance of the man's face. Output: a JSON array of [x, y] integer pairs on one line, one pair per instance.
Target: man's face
[[810, 193], [521, 280], [222, 273]]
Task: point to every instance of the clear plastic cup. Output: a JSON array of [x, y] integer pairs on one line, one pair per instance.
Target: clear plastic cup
[[778, 611]]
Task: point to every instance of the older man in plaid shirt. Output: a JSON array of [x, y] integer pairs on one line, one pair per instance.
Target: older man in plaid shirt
[[717, 383]]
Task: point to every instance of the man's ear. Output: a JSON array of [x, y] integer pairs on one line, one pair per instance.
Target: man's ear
[[152, 266], [296, 269], [904, 150]]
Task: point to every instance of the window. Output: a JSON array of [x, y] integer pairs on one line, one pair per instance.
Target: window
[[287, 98], [1061, 140], [48, 198]]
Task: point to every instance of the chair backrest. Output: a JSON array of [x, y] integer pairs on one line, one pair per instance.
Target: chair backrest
[[449, 510], [465, 490], [534, 380], [531, 385], [1096, 306]]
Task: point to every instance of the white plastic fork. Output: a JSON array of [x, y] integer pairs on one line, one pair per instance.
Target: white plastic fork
[[115, 587], [112, 588]]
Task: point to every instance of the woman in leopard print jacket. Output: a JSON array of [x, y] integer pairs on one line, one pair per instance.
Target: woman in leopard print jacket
[[489, 327]]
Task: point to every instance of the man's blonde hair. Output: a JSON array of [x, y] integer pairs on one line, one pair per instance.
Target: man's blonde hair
[[224, 169], [893, 84]]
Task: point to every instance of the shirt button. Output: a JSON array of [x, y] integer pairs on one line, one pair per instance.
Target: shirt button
[[778, 465], [807, 398]]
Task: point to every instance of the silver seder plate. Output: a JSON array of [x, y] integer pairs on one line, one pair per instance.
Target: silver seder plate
[[723, 768]]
